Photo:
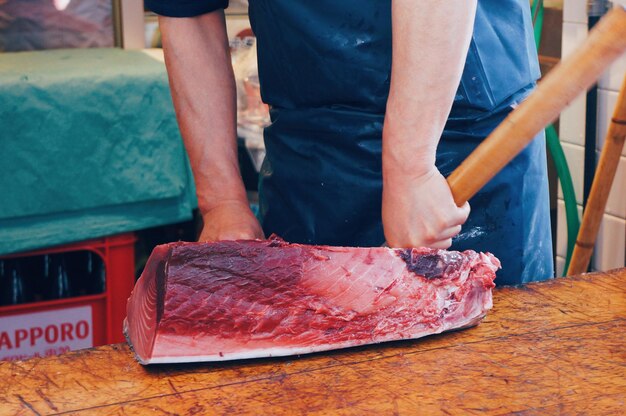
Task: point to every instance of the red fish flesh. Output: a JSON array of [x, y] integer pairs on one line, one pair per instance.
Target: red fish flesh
[[246, 299]]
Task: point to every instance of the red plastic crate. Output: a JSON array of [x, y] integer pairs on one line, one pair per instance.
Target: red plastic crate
[[107, 309]]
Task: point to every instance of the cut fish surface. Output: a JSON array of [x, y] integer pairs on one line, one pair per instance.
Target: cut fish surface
[[262, 298]]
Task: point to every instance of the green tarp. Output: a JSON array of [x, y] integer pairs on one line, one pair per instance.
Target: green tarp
[[90, 147]]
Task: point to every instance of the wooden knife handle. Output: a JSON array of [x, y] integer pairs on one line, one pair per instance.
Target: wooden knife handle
[[575, 74]]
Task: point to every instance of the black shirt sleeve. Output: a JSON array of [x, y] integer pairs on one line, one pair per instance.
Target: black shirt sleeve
[[184, 8]]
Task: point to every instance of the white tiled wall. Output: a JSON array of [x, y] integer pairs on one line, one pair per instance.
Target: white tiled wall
[[614, 76], [575, 11], [610, 246], [616, 204], [609, 252], [571, 125], [575, 156], [607, 99], [561, 244]]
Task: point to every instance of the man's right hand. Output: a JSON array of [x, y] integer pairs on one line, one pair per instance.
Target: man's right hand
[[230, 221], [420, 211]]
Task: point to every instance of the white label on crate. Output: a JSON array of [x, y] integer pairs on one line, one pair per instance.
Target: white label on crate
[[47, 333]]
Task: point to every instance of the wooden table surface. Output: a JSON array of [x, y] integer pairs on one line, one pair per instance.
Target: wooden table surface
[[549, 348]]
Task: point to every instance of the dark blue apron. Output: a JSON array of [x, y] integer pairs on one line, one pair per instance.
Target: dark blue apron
[[325, 66]]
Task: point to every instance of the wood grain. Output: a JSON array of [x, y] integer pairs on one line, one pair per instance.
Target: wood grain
[[547, 348]]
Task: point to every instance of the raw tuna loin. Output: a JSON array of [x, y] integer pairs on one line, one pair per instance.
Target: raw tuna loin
[[246, 299]]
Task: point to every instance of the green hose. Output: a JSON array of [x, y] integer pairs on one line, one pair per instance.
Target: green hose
[[560, 162], [537, 13], [569, 195]]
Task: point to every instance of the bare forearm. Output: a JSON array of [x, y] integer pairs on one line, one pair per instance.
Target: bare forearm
[[203, 91], [430, 42]]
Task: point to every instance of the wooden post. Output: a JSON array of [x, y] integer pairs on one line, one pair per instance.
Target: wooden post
[[605, 173]]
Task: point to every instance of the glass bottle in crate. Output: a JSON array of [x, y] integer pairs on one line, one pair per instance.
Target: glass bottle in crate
[[5, 286], [47, 277], [45, 274], [96, 273], [86, 272], [59, 281], [76, 270], [29, 271], [14, 289]]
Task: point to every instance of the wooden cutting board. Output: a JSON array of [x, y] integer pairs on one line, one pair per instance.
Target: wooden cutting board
[[549, 348]]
